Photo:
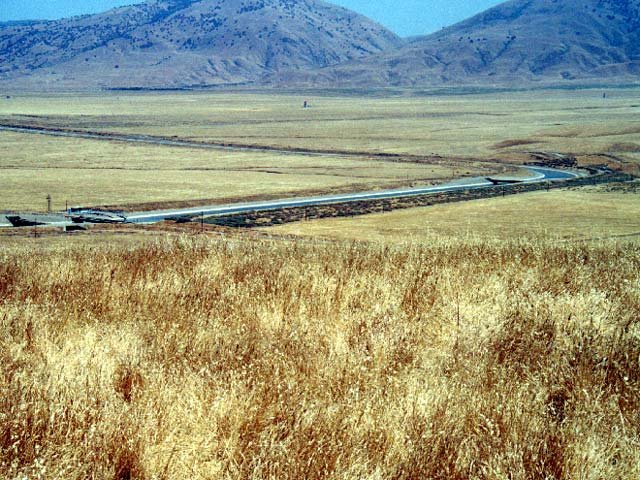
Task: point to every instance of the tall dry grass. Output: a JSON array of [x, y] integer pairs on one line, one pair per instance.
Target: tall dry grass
[[205, 359]]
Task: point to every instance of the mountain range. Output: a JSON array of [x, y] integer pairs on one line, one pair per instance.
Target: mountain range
[[204, 43], [517, 42], [177, 43]]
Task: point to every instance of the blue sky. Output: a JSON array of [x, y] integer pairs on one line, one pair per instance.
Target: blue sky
[[405, 17]]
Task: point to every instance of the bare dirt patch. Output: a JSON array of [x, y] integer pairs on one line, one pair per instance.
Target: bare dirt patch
[[514, 143], [626, 147]]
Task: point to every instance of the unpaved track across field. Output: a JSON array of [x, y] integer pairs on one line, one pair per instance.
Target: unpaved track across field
[[176, 142]]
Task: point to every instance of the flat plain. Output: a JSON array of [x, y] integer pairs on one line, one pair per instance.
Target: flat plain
[[473, 125], [588, 213], [93, 172], [441, 136]]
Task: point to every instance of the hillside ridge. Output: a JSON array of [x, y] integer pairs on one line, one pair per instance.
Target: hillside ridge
[[188, 42], [516, 42]]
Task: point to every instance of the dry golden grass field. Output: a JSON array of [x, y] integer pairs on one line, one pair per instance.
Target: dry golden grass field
[[571, 214], [483, 125], [481, 340], [478, 128], [92, 172], [209, 359]]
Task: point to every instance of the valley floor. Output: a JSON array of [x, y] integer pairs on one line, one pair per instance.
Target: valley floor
[[585, 213], [437, 137]]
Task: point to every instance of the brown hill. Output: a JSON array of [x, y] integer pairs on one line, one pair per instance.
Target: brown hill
[[520, 41], [178, 43]]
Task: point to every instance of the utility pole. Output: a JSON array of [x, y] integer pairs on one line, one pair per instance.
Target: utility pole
[[201, 222], [48, 203]]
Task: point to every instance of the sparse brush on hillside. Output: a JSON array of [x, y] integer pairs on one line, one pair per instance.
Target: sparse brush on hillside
[[233, 360]]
